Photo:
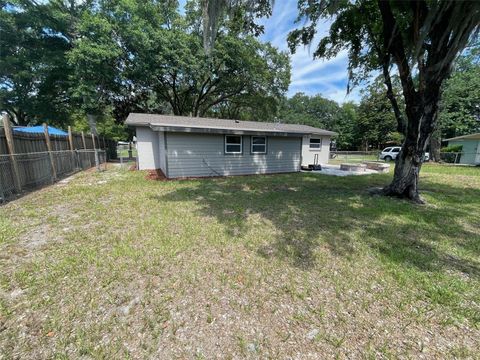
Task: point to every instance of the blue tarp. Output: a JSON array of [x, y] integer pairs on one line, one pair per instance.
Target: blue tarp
[[39, 129]]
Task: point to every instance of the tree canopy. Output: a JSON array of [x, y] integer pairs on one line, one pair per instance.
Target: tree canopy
[[127, 55], [460, 105]]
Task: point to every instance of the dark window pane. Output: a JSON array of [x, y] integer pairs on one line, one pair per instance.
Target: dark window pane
[[396, 150], [234, 139], [314, 141], [233, 148], [258, 148], [258, 140]]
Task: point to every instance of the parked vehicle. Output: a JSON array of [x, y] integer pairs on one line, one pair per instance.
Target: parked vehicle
[[390, 153]]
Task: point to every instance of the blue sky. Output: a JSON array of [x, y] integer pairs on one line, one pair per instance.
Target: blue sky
[[325, 77]]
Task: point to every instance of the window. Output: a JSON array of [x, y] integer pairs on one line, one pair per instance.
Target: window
[[259, 145], [395, 150], [387, 150], [315, 144], [233, 144]]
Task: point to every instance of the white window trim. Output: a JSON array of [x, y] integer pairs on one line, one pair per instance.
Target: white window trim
[[315, 149], [227, 143], [251, 144]]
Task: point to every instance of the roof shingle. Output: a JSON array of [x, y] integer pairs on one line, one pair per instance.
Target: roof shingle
[[152, 120]]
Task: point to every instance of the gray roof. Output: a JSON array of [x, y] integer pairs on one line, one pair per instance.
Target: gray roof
[[194, 124], [466, 137]]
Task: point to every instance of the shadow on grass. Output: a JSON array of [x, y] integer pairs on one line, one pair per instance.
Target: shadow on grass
[[312, 211]]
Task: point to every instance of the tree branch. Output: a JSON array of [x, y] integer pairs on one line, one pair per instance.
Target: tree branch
[[393, 44]]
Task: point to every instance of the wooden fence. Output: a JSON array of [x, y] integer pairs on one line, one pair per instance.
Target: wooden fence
[[30, 160]]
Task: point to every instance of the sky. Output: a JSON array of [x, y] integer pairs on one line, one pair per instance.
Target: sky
[[325, 77]]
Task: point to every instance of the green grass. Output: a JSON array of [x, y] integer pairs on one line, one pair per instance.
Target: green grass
[[124, 153], [112, 265]]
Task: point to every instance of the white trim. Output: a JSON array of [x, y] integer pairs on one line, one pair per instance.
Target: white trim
[[264, 144], [315, 148], [227, 143]]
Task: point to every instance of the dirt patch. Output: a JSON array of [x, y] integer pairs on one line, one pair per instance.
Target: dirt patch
[[156, 175]]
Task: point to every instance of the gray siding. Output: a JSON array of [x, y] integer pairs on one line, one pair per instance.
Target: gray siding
[[148, 148], [190, 154], [469, 150], [161, 152]]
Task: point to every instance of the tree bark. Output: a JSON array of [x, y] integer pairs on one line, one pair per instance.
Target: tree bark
[[92, 122], [409, 160], [407, 171], [435, 144]]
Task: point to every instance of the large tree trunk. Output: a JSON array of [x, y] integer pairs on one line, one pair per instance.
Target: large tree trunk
[[407, 172], [409, 160]]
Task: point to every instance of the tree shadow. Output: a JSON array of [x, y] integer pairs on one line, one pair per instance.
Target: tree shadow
[[311, 211]]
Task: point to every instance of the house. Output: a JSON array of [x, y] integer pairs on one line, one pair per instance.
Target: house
[[184, 146], [470, 148]]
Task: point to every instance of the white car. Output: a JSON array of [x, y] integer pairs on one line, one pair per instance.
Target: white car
[[391, 153]]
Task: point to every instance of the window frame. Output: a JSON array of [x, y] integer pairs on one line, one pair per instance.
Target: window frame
[[225, 143], [315, 148], [251, 145]]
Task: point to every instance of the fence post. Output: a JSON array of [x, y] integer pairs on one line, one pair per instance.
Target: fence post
[[83, 141], [97, 162], [11, 151], [70, 138], [49, 148], [70, 141]]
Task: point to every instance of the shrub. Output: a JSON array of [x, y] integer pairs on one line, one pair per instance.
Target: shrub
[[450, 154], [452, 149]]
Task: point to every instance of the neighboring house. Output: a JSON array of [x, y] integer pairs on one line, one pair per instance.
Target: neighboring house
[[193, 147], [470, 148]]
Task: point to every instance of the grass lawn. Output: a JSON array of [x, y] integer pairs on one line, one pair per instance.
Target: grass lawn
[[124, 152], [111, 265]]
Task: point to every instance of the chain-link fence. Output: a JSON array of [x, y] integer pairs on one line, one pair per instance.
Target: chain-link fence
[[24, 172], [338, 157], [472, 158]]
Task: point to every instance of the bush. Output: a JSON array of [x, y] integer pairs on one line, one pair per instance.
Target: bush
[[451, 153], [452, 149]]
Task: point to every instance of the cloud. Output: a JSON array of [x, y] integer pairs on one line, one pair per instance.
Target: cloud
[[310, 76]]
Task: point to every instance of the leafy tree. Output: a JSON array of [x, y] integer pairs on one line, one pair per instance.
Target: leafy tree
[[420, 38], [310, 110], [147, 49], [33, 68], [243, 12], [346, 127], [460, 105], [376, 123], [320, 112]]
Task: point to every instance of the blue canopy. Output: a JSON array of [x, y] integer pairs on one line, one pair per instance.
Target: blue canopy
[[39, 129]]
